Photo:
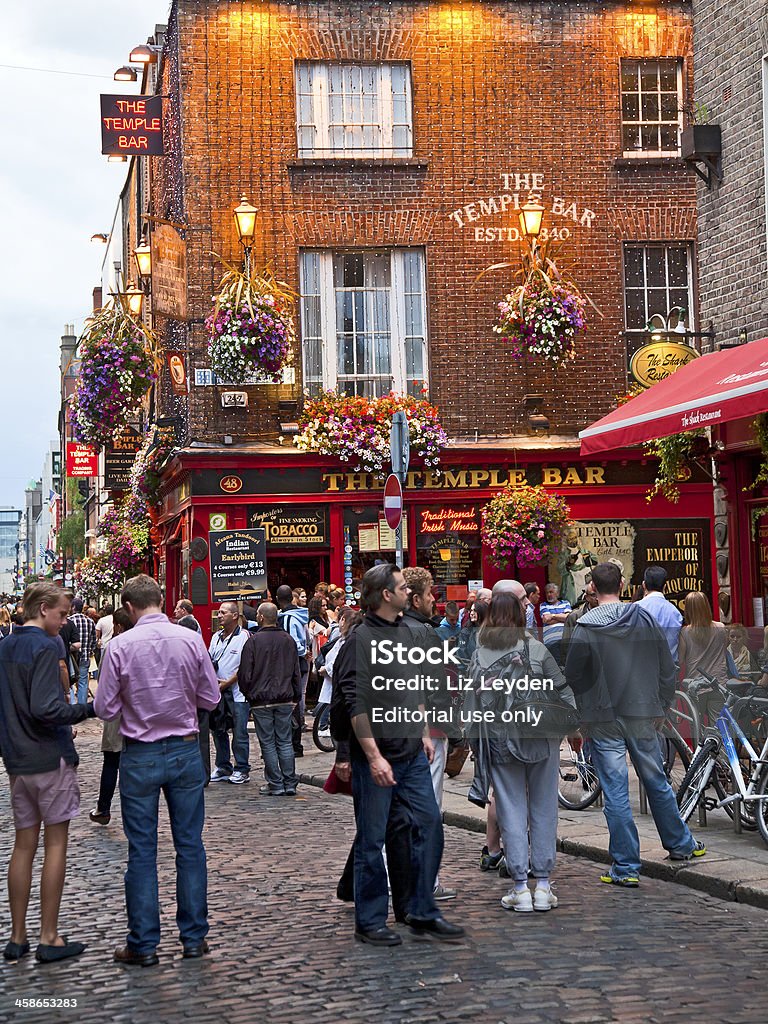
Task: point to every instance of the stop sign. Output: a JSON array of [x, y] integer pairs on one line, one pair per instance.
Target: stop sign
[[393, 501]]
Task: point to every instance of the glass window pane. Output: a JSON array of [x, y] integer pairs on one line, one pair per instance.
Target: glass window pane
[[630, 107], [669, 109], [658, 301], [629, 75], [633, 267], [649, 137], [680, 297], [635, 310], [649, 75], [413, 324], [668, 75], [630, 138], [669, 137], [656, 266], [650, 108]]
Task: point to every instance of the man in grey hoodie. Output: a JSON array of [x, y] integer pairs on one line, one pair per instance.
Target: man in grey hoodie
[[621, 670]]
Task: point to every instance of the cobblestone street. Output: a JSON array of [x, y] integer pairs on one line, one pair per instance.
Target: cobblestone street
[[282, 947]]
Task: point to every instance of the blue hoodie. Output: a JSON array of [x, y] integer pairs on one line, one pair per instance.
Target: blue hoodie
[[619, 664]]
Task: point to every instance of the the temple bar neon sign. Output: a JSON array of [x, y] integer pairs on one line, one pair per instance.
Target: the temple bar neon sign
[[132, 125]]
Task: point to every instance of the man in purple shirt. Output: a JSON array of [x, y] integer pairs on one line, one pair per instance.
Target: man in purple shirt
[[156, 676]]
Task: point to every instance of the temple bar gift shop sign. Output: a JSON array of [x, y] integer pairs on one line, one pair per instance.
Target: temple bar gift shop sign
[[238, 564], [132, 125]]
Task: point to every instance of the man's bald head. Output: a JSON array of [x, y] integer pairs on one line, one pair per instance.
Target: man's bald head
[[509, 587], [266, 614]]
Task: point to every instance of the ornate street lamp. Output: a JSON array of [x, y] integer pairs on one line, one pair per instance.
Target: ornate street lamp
[[530, 219], [245, 221], [143, 256], [132, 299]]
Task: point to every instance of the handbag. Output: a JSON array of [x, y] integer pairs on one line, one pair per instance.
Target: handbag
[[457, 756]]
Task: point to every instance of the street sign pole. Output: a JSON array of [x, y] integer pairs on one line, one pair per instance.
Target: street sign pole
[[400, 452]]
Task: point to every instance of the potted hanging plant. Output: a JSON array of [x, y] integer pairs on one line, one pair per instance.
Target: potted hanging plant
[[674, 453], [118, 363], [357, 429], [250, 327], [524, 526], [543, 313], [96, 576]]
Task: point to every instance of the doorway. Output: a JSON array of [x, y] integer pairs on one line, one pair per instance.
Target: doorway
[[296, 571]]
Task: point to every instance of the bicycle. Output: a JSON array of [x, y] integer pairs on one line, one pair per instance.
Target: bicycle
[[580, 786], [321, 729], [717, 762]]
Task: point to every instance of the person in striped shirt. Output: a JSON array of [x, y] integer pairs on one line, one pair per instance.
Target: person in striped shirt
[[553, 612]]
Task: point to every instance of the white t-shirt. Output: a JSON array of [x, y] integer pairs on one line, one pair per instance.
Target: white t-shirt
[[105, 627], [227, 651]]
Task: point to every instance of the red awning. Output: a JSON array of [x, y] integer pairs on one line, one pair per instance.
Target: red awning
[[713, 389]]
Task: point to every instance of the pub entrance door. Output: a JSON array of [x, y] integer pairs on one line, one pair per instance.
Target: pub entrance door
[[297, 571]]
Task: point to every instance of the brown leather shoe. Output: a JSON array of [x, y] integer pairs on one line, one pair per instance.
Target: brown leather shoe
[[125, 955]]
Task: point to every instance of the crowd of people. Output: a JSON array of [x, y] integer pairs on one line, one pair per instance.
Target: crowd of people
[[162, 695]]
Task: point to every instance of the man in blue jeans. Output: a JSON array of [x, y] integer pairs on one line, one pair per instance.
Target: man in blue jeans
[[86, 644], [156, 676], [225, 649], [390, 766], [620, 668], [270, 678]]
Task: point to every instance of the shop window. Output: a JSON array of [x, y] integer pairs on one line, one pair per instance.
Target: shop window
[[651, 107], [657, 279], [449, 544], [363, 321], [371, 540], [353, 110]]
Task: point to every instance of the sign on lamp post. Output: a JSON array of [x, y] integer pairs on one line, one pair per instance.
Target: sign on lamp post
[[393, 513], [400, 453]]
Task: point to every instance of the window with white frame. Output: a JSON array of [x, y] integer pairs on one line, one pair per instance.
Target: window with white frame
[[353, 110], [363, 321], [651, 107], [658, 280]]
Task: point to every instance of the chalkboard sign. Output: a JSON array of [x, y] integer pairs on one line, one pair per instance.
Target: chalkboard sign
[[238, 564]]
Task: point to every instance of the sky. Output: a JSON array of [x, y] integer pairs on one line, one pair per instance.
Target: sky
[[56, 190]]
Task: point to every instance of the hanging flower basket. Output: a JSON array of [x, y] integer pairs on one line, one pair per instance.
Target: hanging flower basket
[[145, 472], [118, 364], [250, 328], [540, 319], [523, 526], [96, 576], [356, 429]]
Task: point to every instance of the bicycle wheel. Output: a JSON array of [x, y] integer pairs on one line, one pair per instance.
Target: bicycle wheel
[[685, 719], [761, 807], [321, 730], [697, 778], [677, 759], [579, 785]]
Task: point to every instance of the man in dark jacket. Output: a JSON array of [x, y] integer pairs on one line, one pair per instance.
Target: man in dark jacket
[[390, 762], [40, 758], [270, 677], [620, 668]]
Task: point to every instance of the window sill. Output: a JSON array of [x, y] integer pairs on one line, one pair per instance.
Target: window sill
[[356, 163], [624, 163]]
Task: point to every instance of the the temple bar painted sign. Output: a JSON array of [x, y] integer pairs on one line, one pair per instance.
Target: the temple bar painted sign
[[132, 126], [450, 478]]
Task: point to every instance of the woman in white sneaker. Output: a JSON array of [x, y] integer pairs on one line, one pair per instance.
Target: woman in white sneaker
[[523, 771]]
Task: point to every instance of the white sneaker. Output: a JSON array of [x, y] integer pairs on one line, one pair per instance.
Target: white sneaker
[[544, 899], [219, 775], [238, 778], [521, 901]]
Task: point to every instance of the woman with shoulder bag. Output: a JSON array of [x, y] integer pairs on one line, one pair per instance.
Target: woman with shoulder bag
[[523, 769]]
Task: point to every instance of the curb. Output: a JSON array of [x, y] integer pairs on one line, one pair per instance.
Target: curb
[[732, 891]]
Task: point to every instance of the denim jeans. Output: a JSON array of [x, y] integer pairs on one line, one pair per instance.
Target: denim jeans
[[373, 807], [172, 766], [610, 745], [240, 712], [82, 681], [273, 727], [301, 707]]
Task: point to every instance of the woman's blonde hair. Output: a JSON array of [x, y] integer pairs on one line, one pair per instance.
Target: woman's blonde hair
[[698, 610]]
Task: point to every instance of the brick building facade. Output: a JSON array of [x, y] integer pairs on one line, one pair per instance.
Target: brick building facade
[[471, 109]]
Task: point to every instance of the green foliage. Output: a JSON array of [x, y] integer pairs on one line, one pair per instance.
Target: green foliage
[[760, 427], [673, 453], [70, 540]]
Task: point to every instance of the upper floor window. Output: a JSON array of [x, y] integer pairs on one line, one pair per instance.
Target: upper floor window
[[363, 321], [658, 279], [651, 107], [353, 110]]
